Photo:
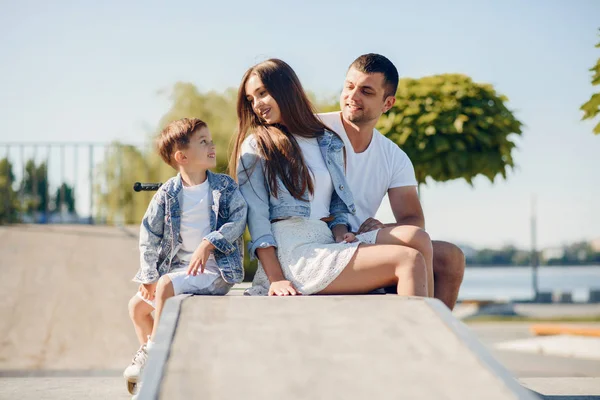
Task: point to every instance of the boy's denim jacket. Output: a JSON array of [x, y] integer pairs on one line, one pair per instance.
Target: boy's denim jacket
[[159, 233], [263, 207]]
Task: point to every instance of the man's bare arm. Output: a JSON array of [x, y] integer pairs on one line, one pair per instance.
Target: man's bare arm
[[406, 207]]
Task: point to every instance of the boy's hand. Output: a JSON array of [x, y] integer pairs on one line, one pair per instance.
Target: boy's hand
[[282, 288], [200, 257], [147, 290]]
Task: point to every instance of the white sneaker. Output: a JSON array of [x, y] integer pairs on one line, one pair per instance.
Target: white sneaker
[[137, 392], [133, 372]]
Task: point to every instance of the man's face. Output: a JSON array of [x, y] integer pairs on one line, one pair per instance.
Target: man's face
[[363, 99]]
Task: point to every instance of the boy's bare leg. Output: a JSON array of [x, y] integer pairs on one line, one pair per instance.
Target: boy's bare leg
[[140, 313], [164, 291]]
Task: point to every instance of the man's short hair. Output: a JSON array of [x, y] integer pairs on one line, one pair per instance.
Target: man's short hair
[[372, 63], [176, 136]]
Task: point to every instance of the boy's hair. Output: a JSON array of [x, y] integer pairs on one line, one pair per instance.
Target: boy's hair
[[176, 136], [372, 63]]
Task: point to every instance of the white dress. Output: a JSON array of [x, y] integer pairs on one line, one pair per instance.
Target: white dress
[[308, 255]]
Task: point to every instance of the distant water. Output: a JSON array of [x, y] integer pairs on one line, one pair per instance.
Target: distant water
[[509, 283]]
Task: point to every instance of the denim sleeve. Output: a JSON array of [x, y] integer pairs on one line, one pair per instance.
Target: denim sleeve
[[338, 217], [253, 187], [223, 239], [151, 234]]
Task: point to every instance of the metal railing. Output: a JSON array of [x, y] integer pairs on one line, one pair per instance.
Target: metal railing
[[59, 182]]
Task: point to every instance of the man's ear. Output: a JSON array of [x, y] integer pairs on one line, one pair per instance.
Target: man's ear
[[389, 103], [179, 157]]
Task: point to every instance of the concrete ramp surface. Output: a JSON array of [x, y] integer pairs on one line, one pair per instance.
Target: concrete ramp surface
[[320, 347]]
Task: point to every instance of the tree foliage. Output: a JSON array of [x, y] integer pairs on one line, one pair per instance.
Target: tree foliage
[[451, 128], [116, 202], [9, 203], [591, 108], [35, 187]]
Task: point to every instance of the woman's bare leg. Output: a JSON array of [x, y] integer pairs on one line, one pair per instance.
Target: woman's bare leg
[[375, 266], [414, 237]]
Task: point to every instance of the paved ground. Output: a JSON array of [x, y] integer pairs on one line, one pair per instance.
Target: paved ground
[[527, 365], [63, 316]]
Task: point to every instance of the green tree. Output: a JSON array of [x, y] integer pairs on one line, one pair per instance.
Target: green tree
[[592, 107], [9, 203], [64, 195], [216, 109], [116, 202], [451, 128], [35, 187]]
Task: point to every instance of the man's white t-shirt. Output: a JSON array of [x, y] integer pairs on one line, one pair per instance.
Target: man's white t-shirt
[[370, 174], [195, 222], [322, 183]]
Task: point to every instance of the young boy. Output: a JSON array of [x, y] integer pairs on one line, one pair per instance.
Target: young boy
[[191, 235]]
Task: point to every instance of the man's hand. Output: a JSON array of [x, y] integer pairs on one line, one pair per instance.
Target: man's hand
[[200, 257], [147, 290], [370, 225], [282, 288]]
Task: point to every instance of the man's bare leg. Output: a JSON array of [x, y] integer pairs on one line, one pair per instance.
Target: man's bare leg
[[448, 271]]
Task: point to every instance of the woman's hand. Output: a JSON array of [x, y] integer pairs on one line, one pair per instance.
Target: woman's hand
[[349, 237], [282, 288]]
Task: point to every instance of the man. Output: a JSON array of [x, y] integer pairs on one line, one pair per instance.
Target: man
[[376, 165]]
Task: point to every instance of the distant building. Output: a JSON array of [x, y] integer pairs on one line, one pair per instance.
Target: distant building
[[553, 253], [595, 245]]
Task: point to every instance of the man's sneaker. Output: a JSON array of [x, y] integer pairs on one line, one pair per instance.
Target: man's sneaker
[[133, 372]]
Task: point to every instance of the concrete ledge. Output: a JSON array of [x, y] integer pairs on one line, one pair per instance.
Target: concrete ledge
[[159, 354], [350, 347], [564, 388]]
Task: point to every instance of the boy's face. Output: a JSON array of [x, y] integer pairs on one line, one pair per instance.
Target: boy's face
[[363, 99], [201, 153]]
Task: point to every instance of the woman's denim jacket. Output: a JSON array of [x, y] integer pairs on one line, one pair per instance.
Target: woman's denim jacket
[[263, 207], [159, 233]]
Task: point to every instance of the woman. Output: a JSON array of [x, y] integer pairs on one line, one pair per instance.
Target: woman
[[290, 169]]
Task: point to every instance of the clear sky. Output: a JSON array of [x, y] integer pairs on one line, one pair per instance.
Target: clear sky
[[91, 71]]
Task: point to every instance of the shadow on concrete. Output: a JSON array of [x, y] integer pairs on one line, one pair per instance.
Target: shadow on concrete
[[567, 397], [59, 373], [80, 230]]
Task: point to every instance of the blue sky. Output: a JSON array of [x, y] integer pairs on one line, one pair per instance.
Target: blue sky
[[91, 71]]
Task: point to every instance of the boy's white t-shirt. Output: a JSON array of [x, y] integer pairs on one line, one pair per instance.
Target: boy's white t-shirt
[[322, 183], [195, 222], [370, 174]]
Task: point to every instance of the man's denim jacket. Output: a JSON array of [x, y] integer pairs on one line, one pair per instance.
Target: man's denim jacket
[[263, 207], [159, 233]]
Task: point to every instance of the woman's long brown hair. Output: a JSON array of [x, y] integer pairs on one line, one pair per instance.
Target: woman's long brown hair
[[276, 143]]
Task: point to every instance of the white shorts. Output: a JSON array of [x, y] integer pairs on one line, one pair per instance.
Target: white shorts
[[208, 283]]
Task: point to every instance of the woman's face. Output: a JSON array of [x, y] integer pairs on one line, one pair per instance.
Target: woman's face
[[263, 104]]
